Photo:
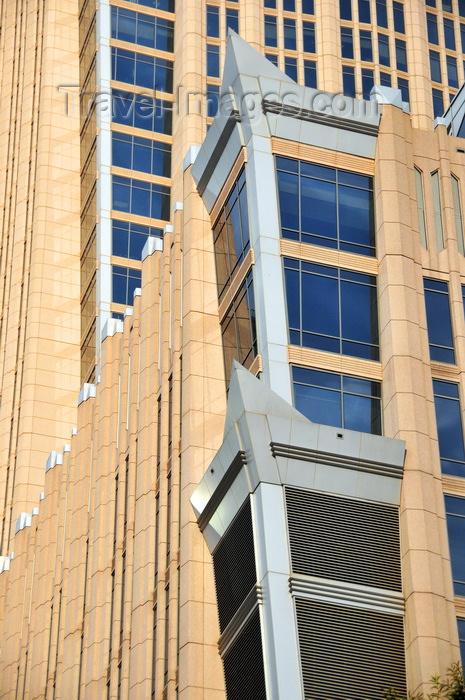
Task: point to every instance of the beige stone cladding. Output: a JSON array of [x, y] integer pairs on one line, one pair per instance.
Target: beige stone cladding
[[39, 261], [110, 589], [407, 372]]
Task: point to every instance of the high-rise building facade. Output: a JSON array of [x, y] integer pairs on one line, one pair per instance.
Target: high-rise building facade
[[248, 255]]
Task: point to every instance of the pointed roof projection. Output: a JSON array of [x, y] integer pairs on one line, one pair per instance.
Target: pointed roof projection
[[242, 59], [251, 395]]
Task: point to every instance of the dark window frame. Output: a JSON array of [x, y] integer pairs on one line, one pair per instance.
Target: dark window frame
[[163, 29], [131, 277], [347, 283], [455, 515], [342, 178], [156, 148], [224, 238], [344, 390], [449, 427], [241, 327], [436, 292]]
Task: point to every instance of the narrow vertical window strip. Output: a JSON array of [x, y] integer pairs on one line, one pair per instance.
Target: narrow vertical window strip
[[438, 229], [421, 207], [458, 214]]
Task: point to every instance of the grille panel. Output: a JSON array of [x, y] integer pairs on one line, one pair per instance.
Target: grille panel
[[234, 565], [243, 664], [344, 539], [349, 653]]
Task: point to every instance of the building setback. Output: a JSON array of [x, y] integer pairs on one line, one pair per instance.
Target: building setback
[[258, 490]]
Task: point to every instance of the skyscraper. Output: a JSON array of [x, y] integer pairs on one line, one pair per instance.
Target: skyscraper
[[268, 340]]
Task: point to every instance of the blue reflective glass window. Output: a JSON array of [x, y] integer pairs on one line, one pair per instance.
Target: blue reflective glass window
[[452, 74], [121, 150], [435, 66], [271, 31], [345, 9], [401, 55], [125, 282], [308, 29], [128, 239], [348, 81], [320, 304], [432, 27], [318, 216], [270, 3], [164, 38], [325, 206], [145, 71], [381, 13], [288, 190], [213, 21], [290, 67], [441, 343], [461, 631], [231, 236], [145, 30], [449, 425], [165, 5], [385, 79], [438, 103], [148, 33], [141, 198], [308, 7], [120, 238], [355, 234], [238, 328], [213, 97], [399, 23], [213, 61], [142, 112], [165, 35], [272, 57], [163, 75], [367, 83], [232, 20], [338, 400], [364, 11], [123, 24], [455, 516], [430, 3], [123, 107], [366, 50], [141, 154], [290, 39], [123, 65], [449, 33], [402, 84], [310, 77], [347, 42], [447, 5], [383, 50], [461, 4], [121, 194], [119, 279], [462, 37], [289, 5]]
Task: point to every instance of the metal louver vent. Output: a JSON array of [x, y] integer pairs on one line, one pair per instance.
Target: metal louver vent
[[344, 539], [234, 565], [243, 664], [349, 653]]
